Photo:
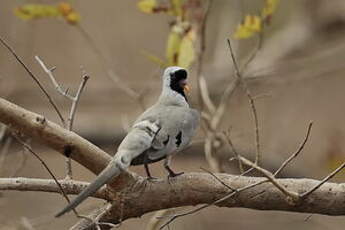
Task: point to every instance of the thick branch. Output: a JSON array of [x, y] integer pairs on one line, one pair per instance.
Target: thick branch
[[201, 188], [53, 135]]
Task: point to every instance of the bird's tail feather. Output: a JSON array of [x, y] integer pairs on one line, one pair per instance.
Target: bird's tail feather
[[110, 171]]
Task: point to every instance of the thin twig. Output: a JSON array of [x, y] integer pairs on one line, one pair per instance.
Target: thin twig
[[297, 152], [233, 149], [51, 101], [202, 48], [49, 72], [218, 179], [155, 220], [205, 95], [75, 100], [109, 71], [254, 53], [271, 178], [327, 178], [26, 146], [22, 162], [252, 104], [4, 151]]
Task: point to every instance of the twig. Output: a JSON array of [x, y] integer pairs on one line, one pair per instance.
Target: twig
[[327, 178], [218, 179], [205, 95], [104, 212], [294, 196], [202, 48], [4, 150], [255, 52], [26, 146], [155, 220], [297, 152], [210, 151], [233, 149], [49, 72], [21, 164], [75, 100], [12, 51], [252, 104], [109, 71]]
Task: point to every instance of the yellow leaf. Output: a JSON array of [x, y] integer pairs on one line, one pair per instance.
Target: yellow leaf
[[73, 18], [35, 11], [173, 47], [187, 53], [252, 24], [65, 8], [147, 6]]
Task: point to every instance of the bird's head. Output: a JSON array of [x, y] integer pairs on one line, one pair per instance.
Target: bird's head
[[175, 78]]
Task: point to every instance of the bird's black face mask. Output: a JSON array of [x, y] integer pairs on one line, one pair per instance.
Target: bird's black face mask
[[178, 82]]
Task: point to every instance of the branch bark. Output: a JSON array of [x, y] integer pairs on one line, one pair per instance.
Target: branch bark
[[49, 133], [46, 185], [200, 188]]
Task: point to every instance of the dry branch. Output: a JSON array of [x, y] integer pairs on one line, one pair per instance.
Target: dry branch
[[53, 135], [47, 185], [201, 188]]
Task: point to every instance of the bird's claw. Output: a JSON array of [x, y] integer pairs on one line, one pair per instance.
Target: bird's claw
[[151, 178]]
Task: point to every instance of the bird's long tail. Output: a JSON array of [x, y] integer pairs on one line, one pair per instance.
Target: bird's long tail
[[109, 172], [137, 141]]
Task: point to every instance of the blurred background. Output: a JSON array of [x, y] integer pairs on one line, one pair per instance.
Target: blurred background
[[297, 76]]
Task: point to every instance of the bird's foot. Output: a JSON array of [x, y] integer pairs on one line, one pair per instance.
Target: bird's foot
[[151, 178], [173, 174]]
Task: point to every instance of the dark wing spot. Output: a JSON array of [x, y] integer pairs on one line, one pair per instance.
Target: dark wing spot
[[179, 139], [67, 150], [166, 141]]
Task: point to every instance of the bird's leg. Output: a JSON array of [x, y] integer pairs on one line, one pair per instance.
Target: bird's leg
[[146, 165], [170, 171]]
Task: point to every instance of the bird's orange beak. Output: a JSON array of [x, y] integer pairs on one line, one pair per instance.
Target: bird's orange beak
[[185, 86]]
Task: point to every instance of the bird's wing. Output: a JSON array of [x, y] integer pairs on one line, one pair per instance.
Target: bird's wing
[[177, 127]]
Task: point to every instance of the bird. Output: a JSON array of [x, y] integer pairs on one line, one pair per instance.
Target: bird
[[165, 128]]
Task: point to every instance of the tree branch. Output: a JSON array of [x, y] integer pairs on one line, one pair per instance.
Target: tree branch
[[44, 185], [203, 188], [64, 141]]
